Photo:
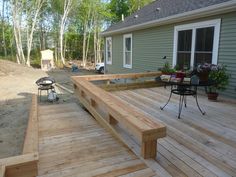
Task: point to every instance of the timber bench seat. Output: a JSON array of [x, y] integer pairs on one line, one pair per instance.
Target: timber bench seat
[[26, 164], [113, 110]]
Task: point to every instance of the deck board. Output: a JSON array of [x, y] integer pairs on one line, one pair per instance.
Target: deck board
[[196, 145], [72, 143]]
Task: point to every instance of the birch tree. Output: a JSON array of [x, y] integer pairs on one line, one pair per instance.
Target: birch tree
[[17, 13], [25, 15], [32, 14], [86, 16], [3, 28], [100, 15], [68, 4]]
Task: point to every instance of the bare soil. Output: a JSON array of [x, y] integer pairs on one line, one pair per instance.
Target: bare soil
[[17, 84]]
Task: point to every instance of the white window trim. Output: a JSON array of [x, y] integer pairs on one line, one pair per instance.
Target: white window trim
[[131, 54], [194, 26], [108, 62]]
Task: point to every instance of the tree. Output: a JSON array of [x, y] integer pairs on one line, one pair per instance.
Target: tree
[[86, 15], [135, 5], [125, 7], [3, 28], [71, 27], [25, 13], [32, 12], [100, 16], [117, 9], [17, 13], [68, 4], [60, 13]]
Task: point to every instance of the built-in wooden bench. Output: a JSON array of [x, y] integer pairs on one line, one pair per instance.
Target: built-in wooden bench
[[25, 165], [104, 105]]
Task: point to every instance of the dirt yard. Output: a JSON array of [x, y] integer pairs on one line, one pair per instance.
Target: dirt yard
[[17, 84]]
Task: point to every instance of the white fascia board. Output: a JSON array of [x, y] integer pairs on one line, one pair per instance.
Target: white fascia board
[[203, 12]]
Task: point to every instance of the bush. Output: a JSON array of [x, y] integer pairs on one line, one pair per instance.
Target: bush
[[220, 76], [167, 69]]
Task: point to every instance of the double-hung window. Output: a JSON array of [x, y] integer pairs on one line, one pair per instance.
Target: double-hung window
[[109, 50], [127, 51], [196, 43]]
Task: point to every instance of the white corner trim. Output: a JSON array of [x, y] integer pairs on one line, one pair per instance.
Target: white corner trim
[[194, 26], [131, 54], [215, 51], [108, 62]]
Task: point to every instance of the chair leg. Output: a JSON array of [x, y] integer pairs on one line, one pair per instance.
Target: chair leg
[[181, 100], [38, 94], [185, 101]]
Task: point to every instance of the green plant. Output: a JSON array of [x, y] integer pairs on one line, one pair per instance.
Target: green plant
[[167, 69], [219, 75]]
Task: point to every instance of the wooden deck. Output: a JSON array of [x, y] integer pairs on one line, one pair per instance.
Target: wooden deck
[[72, 143], [195, 145]]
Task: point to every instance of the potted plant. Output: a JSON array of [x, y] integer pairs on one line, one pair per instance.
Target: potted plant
[[202, 71], [167, 69], [218, 74]]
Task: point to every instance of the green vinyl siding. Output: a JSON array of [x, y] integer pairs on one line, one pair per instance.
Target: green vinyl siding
[[227, 50], [151, 45]]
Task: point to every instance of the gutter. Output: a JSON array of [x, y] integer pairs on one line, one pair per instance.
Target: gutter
[[229, 6]]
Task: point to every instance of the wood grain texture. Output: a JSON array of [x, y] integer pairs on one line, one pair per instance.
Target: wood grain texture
[[137, 123], [2, 170], [25, 165], [117, 76], [76, 145], [195, 145], [31, 137]]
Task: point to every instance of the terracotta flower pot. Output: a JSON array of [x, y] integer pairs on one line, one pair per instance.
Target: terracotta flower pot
[[212, 96], [180, 75], [203, 76]]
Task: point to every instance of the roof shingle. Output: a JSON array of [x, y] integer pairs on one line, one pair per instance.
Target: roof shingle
[[165, 8]]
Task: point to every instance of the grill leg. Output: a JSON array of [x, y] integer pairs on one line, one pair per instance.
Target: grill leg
[[40, 95]]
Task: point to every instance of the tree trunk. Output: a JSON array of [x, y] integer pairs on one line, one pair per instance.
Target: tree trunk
[[67, 7], [3, 28], [61, 44], [84, 46], [95, 45], [30, 32]]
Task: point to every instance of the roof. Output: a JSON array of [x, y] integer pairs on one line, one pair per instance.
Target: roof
[[161, 9]]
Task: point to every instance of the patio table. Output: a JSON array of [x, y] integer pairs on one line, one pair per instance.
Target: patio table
[[183, 90]]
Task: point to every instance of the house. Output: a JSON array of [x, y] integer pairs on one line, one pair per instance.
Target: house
[[182, 32]]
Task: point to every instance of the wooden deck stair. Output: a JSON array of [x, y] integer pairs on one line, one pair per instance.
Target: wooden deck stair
[[72, 143]]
